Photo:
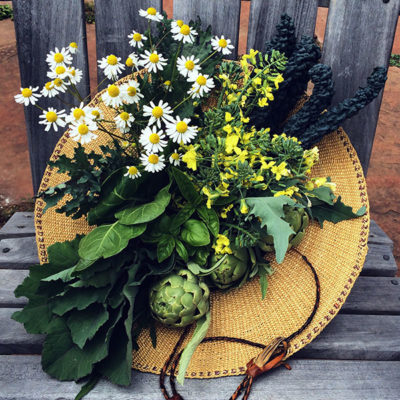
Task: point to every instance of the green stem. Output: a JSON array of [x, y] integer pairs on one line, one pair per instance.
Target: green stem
[[149, 28], [208, 57], [179, 104], [241, 230], [175, 61], [77, 91]]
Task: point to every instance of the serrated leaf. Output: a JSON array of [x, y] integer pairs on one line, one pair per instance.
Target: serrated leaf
[[335, 213], [165, 247], [108, 240], [84, 324], [270, 211], [210, 217], [324, 194], [145, 212]]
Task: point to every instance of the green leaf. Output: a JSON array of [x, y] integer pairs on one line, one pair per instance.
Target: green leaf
[[270, 211], [84, 324], [165, 247], [181, 250], [88, 387], [183, 215], [145, 212], [263, 281], [199, 334], [186, 187], [335, 213], [195, 233], [210, 217], [108, 240], [324, 194]]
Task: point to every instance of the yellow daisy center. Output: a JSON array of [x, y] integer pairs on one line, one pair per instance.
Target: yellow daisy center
[[181, 127], [112, 60], [58, 82], [124, 116], [60, 70], [74, 45], [175, 156], [154, 58], [201, 80], [189, 64], [48, 85], [72, 71], [78, 113], [157, 112], [26, 92], [222, 43], [154, 138], [132, 170], [58, 58], [113, 90], [167, 83], [131, 91], [51, 116], [153, 159], [96, 114], [137, 37], [129, 62], [179, 22], [83, 129], [151, 11], [185, 29]]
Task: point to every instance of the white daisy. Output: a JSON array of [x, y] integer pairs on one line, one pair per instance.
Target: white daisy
[[74, 75], [80, 114], [132, 172], [83, 131], [175, 158], [28, 96], [112, 97], [132, 61], [185, 33], [202, 84], [123, 121], [52, 119], [188, 66], [60, 71], [58, 57], [161, 112], [152, 140], [49, 89], [151, 13], [152, 162], [179, 131], [73, 47], [153, 61], [60, 85], [222, 45], [94, 113], [130, 92], [111, 66], [137, 39], [177, 24]]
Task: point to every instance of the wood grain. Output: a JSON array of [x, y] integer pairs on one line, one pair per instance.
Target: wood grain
[[22, 378], [18, 253], [115, 20], [265, 15], [19, 225], [41, 26], [10, 279], [223, 16], [358, 37]]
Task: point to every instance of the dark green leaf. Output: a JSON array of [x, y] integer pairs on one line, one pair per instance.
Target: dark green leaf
[[263, 281], [195, 233], [210, 217], [183, 215], [186, 187], [88, 387], [324, 194], [165, 247], [181, 250]]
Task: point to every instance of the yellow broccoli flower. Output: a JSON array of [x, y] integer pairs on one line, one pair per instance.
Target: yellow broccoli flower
[[228, 117], [290, 191], [280, 170], [190, 158], [279, 79], [231, 143], [224, 212], [244, 208], [222, 245]]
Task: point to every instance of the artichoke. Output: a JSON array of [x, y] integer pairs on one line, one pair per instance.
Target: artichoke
[[232, 270], [179, 299], [298, 220]]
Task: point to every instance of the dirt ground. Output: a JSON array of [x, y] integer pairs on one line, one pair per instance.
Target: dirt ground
[[383, 175]]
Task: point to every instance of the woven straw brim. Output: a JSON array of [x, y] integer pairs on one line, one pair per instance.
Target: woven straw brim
[[337, 252]]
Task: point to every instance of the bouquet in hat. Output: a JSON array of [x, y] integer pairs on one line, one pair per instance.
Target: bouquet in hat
[[202, 169]]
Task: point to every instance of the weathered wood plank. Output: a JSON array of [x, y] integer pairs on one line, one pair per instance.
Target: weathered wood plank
[[22, 378], [223, 16], [265, 15], [359, 36], [115, 20], [9, 280], [19, 225], [379, 261], [347, 337], [14, 339], [378, 236], [41, 26], [18, 253]]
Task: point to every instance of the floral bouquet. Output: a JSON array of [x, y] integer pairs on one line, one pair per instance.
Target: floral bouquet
[[206, 170]]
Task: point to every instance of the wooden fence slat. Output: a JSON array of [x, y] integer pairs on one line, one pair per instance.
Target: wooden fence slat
[[19, 225], [223, 16], [359, 36], [115, 20], [41, 26], [265, 15]]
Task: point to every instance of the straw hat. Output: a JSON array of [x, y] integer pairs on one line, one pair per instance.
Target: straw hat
[[337, 253]]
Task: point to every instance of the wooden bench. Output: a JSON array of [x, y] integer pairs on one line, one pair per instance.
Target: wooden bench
[[358, 355]]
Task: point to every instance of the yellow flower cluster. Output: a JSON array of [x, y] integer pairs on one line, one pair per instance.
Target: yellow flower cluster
[[221, 245]]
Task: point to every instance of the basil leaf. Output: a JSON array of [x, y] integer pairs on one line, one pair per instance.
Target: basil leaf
[[183, 215], [210, 217], [181, 250], [165, 247], [195, 233]]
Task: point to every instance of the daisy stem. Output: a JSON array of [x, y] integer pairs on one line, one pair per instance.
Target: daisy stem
[[40, 108], [179, 104], [208, 57], [73, 93], [175, 61], [159, 42], [113, 135], [77, 91], [149, 28], [63, 101]]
